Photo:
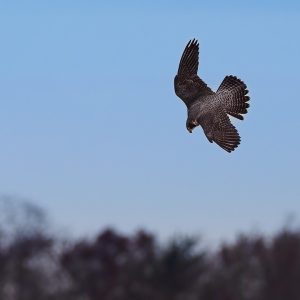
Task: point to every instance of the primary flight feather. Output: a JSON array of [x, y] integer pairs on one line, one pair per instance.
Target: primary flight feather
[[207, 108]]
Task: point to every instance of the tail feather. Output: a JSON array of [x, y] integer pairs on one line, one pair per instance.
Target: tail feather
[[234, 91]]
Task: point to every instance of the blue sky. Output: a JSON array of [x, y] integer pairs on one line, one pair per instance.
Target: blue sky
[[91, 129]]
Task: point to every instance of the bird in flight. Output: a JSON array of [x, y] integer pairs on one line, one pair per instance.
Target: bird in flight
[[207, 108]]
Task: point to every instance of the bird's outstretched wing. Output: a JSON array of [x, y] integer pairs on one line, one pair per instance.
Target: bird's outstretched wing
[[188, 86], [219, 129]]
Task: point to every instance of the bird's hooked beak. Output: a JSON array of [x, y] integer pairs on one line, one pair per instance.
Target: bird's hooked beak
[[191, 126]]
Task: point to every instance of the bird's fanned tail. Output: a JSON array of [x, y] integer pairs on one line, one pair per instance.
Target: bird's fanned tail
[[234, 92]]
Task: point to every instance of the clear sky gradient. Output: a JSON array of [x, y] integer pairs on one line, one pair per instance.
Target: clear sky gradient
[[91, 129]]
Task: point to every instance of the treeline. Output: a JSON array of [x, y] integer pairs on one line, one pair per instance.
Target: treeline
[[34, 264]]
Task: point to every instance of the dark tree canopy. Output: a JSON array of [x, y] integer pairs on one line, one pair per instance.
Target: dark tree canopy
[[35, 264]]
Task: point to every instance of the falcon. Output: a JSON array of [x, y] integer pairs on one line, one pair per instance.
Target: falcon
[[210, 109]]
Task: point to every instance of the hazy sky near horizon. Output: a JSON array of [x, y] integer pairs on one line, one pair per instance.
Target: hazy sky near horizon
[[91, 129]]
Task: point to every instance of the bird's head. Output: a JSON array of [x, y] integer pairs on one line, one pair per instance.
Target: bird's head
[[190, 125]]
